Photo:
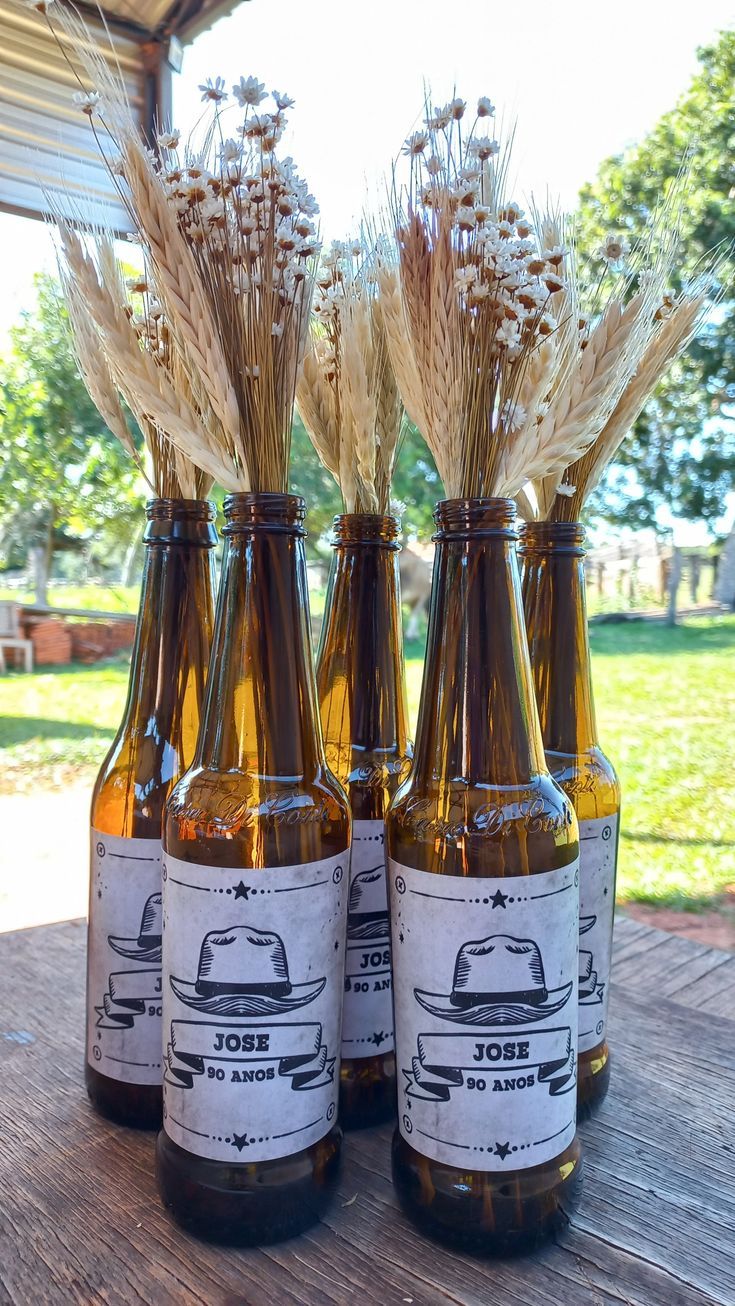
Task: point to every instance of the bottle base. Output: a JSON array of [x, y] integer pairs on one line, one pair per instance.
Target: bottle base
[[367, 1092], [248, 1205], [482, 1213], [138, 1106], [593, 1081]]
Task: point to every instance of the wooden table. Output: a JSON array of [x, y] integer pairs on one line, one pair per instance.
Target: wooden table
[[80, 1220]]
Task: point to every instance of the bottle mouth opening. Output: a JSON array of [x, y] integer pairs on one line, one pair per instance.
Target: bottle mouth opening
[[555, 537], [249, 511], [180, 510], [187, 522], [381, 529], [475, 519]]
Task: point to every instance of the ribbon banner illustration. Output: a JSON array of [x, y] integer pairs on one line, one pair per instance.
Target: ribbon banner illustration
[[294, 1052], [131, 994], [444, 1059]]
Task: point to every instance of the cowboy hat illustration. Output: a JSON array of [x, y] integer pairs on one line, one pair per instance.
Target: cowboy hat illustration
[[587, 976], [147, 946], [497, 981], [586, 923], [244, 972], [367, 912]]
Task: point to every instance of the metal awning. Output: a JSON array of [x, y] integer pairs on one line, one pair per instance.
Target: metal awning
[[45, 142]]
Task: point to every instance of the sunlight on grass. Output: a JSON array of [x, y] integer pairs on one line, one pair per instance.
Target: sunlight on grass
[[665, 705], [99, 598]]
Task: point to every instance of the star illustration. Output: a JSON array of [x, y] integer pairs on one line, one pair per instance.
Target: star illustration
[[242, 890], [378, 1038], [239, 1141], [502, 1150], [499, 899]]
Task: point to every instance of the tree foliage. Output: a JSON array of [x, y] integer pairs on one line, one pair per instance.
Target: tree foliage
[[63, 475], [681, 454]]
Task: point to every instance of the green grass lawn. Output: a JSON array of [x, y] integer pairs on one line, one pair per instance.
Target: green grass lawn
[[100, 598], [666, 709]]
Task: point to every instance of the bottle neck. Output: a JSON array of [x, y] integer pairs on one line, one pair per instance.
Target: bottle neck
[[477, 720], [261, 715], [173, 632], [360, 666], [556, 620]]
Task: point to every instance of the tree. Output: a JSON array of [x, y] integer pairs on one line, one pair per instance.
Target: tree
[[62, 473], [416, 486], [681, 454]]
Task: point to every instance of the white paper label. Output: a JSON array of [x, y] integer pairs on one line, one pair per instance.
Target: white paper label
[[485, 975], [598, 847], [253, 968], [367, 1021], [124, 959]]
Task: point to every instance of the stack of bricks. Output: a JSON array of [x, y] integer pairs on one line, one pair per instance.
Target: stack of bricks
[[57, 641], [92, 640], [51, 642]]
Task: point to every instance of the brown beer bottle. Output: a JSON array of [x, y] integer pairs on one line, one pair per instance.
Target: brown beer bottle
[[255, 901], [362, 698], [483, 873], [152, 748], [556, 622]]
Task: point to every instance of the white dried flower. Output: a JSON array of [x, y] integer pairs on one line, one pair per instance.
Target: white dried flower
[[249, 91], [513, 416], [440, 118], [465, 277], [433, 166], [507, 335], [87, 101], [137, 285], [555, 256], [41, 6], [457, 108], [614, 249], [213, 90], [168, 140], [482, 147], [465, 217], [283, 101], [485, 109], [230, 151], [416, 143]]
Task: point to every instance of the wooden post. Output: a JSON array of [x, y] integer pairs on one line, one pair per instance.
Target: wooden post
[[674, 580]]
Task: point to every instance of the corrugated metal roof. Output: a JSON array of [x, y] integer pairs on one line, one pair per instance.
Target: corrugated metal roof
[[45, 141], [184, 18]]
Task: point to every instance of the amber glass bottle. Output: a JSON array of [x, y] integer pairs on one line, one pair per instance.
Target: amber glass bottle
[[255, 900], [483, 852], [362, 698], [152, 748], [556, 621]]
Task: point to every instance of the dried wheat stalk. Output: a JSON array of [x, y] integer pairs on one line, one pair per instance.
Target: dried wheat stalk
[[347, 394], [672, 336], [229, 240], [114, 361], [472, 308]]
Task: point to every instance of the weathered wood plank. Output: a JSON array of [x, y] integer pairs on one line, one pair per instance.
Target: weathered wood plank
[[690, 973], [80, 1220]]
